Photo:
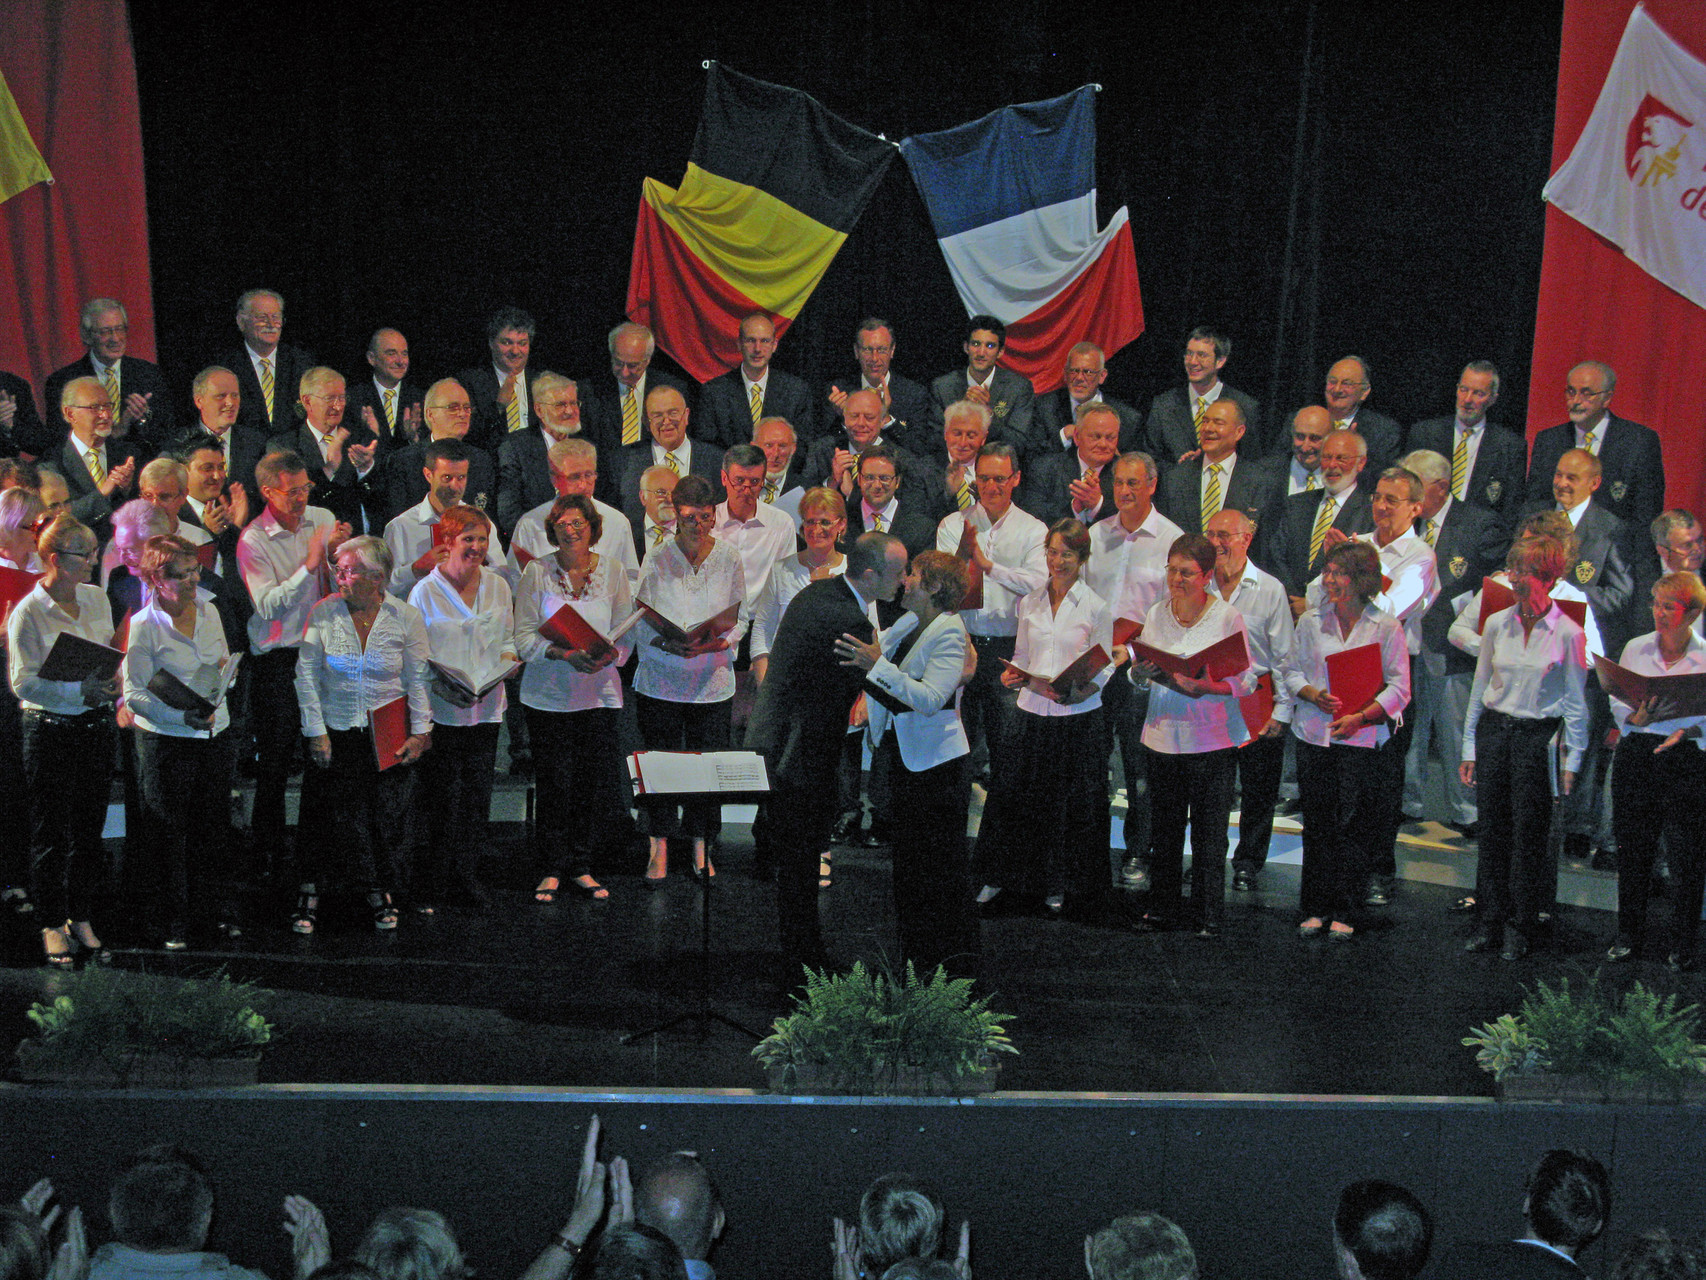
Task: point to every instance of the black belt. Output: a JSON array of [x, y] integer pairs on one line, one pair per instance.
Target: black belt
[[94, 718]]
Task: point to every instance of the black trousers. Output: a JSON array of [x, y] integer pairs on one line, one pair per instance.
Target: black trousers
[[365, 816], [68, 770], [14, 835], [1125, 707], [797, 822], [1656, 796], [185, 785], [277, 723], [1388, 814], [458, 773], [988, 707], [1190, 789], [1339, 791], [1514, 793], [686, 726], [1045, 827], [578, 764], [1259, 764], [932, 883]]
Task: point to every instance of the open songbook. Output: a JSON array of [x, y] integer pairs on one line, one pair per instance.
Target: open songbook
[[1678, 695], [568, 630], [1222, 660], [475, 684], [697, 773], [202, 693], [1495, 595], [696, 636], [1081, 670], [75, 659]]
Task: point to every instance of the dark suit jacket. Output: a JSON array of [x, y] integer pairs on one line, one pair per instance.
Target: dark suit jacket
[[491, 423], [1601, 572], [1507, 1260], [1385, 443], [909, 411], [1170, 430], [88, 503], [1054, 411], [704, 460], [819, 465], [405, 480], [912, 524], [135, 376], [28, 433], [232, 597], [1633, 488], [364, 395], [1500, 475], [289, 364], [724, 417], [248, 447], [351, 498], [1470, 545], [1257, 488], [524, 476], [1288, 549], [1044, 487], [800, 719], [601, 420], [1012, 404]]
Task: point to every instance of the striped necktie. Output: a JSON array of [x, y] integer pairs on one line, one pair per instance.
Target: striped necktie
[[267, 385], [670, 462], [756, 401], [1323, 522], [110, 381], [771, 484], [97, 472], [1211, 494], [1589, 442], [1432, 531], [877, 525], [512, 410], [659, 533], [963, 496], [1312, 483], [1460, 464], [630, 418], [391, 410], [1201, 413]]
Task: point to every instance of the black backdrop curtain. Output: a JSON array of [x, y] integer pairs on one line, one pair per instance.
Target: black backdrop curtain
[[1317, 178]]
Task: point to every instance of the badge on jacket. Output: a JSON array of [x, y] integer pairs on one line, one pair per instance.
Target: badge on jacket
[[1619, 491], [1584, 571], [1494, 489], [1457, 566]]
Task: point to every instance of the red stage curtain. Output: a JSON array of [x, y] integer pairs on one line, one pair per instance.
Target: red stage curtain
[[69, 66], [1597, 305]]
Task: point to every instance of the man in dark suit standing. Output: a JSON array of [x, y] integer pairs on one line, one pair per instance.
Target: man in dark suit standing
[[800, 720], [1077, 483], [447, 412], [1349, 383], [385, 403], [884, 504], [1300, 538], [667, 417], [733, 404], [1221, 477], [524, 465], [347, 481], [218, 401], [1171, 429], [20, 425], [1489, 463], [1010, 396], [142, 407], [221, 508], [100, 472], [1630, 456], [502, 402], [906, 404], [1566, 1205], [1051, 424], [614, 409], [269, 373]]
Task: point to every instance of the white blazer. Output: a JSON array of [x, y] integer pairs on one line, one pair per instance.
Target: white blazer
[[927, 680]]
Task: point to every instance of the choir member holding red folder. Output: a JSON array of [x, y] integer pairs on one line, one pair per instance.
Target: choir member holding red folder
[[1530, 678], [68, 736], [1045, 825], [20, 568], [567, 604], [1190, 735], [1349, 676], [361, 681]]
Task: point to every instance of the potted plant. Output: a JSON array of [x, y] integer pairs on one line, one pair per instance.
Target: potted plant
[[1580, 1043], [108, 1027], [867, 1032]]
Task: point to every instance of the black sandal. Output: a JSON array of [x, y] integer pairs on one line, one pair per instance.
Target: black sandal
[[384, 914], [307, 912]]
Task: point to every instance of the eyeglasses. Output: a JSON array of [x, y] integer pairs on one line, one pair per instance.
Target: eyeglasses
[[111, 331], [97, 409], [666, 415], [81, 555], [299, 491]]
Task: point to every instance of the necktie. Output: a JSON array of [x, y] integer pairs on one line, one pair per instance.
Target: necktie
[[1201, 413], [770, 489], [1588, 444], [97, 472], [1343, 424], [1313, 482], [630, 418], [659, 533], [111, 383], [1460, 464], [1323, 522], [756, 401], [267, 386], [512, 410], [670, 462], [1431, 532], [963, 497], [877, 522], [1211, 494], [391, 410]]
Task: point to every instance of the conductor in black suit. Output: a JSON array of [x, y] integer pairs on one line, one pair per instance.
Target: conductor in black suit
[[386, 403], [1221, 476], [1171, 429], [1629, 454], [1489, 463], [142, 406], [100, 472], [1349, 383], [499, 391], [269, 373], [800, 719], [20, 424], [1056, 412], [906, 404], [1300, 543], [1076, 483], [732, 405]]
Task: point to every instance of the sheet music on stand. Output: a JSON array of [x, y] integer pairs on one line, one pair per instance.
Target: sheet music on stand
[[698, 773]]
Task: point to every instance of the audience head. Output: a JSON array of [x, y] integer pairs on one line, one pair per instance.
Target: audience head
[[447, 410], [1206, 354], [1066, 548], [996, 475], [1343, 454], [1380, 1230], [1552, 524], [162, 1201], [879, 475], [55, 493], [1568, 1200], [677, 1197], [509, 334], [1477, 389], [823, 518], [1686, 595], [631, 349], [985, 338], [284, 483], [369, 555], [88, 410], [1134, 486], [1434, 471], [24, 1250], [1587, 393], [1654, 1254], [20, 510], [965, 430], [204, 466], [922, 1269], [322, 398], [1575, 479], [875, 565], [1360, 563], [1195, 548], [1221, 429], [217, 398], [1232, 532], [561, 509], [15, 473], [1537, 556], [260, 319], [105, 328], [165, 483], [445, 465], [1348, 385], [657, 494], [632, 1251], [862, 414], [1680, 543], [388, 356], [1397, 499], [1097, 434], [1143, 1246], [757, 343], [167, 556], [900, 1216], [873, 348], [743, 479], [411, 1244]]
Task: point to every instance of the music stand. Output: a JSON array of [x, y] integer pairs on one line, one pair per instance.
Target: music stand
[[730, 777]]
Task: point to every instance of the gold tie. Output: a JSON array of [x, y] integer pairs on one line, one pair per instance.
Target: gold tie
[[1202, 412], [97, 472], [630, 418], [1323, 522], [1460, 464], [1431, 532], [757, 402], [670, 462], [1588, 445], [1211, 495], [512, 411], [1313, 483], [111, 382], [391, 410], [769, 494], [877, 522], [963, 496], [659, 533], [267, 386]]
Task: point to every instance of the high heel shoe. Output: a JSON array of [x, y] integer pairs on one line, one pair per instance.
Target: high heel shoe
[[384, 913], [56, 944], [83, 935], [703, 868], [587, 887], [307, 914]]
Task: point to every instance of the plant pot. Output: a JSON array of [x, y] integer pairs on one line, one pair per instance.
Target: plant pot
[[37, 1064], [818, 1079], [1544, 1087]]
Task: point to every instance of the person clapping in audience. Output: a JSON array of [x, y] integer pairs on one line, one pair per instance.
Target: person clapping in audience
[[161, 1208], [900, 1218], [26, 1248]]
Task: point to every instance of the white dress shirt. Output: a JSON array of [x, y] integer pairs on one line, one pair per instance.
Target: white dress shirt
[[1050, 640], [549, 684], [1129, 569], [1316, 637], [615, 540], [682, 453], [1299, 478], [761, 542], [1641, 655], [687, 596], [1268, 628], [1465, 636], [36, 622], [1014, 544], [1178, 725], [787, 579], [472, 639], [271, 560], [339, 682], [156, 644], [409, 537], [1532, 678]]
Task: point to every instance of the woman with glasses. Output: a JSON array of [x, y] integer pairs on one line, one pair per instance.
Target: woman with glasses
[[68, 738]]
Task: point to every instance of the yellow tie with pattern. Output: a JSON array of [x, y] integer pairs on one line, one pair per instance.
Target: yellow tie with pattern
[[877, 525], [630, 418], [97, 472], [512, 410], [757, 403], [1588, 443], [1201, 413], [659, 533], [1432, 531], [1211, 494], [670, 462], [963, 496], [1460, 464], [1312, 483], [267, 386], [111, 383], [391, 410], [770, 485], [1323, 522]]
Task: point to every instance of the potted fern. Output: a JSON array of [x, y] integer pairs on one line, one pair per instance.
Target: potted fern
[[109, 1027], [1582, 1044], [868, 1033]]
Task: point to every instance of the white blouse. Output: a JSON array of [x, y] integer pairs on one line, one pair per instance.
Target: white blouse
[[1532, 678], [35, 624], [470, 639], [787, 579], [1051, 640], [1316, 637], [156, 644], [338, 682], [687, 596], [549, 684], [1179, 725], [1641, 655]]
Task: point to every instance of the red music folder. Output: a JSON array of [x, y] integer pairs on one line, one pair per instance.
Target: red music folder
[[1678, 695], [1258, 707], [390, 726], [15, 584], [695, 636], [568, 630], [207, 555], [523, 557], [1354, 676], [1222, 660], [1125, 629], [974, 573], [1082, 669]]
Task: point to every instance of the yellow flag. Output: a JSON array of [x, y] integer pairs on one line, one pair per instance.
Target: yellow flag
[[21, 165]]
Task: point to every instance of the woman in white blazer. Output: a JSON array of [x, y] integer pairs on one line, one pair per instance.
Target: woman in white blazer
[[916, 670]]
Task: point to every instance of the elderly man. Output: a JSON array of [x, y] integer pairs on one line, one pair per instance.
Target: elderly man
[[784, 465], [906, 405], [1629, 454], [1221, 475], [1175, 414], [1679, 545], [1057, 412], [142, 407], [655, 490], [1489, 463], [667, 445], [616, 412], [1349, 384], [524, 473], [1309, 428], [269, 372], [409, 535], [732, 405], [448, 413], [1079, 481], [1009, 396], [386, 403], [1300, 540], [498, 390], [574, 469], [834, 459], [677, 1197], [218, 398], [951, 486], [99, 471], [347, 481]]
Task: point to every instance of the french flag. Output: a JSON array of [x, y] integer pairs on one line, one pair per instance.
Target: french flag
[[1013, 200]]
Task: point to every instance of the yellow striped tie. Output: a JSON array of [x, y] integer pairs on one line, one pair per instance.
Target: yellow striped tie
[[1588, 443], [1432, 531], [659, 533], [267, 386], [391, 410], [111, 383], [1323, 522], [1196, 422], [757, 401], [670, 462], [512, 411], [963, 496], [630, 418], [1211, 495], [1313, 483], [1460, 464], [769, 494], [97, 472]]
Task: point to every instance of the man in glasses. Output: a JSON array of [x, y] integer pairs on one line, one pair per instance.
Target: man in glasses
[[99, 471], [142, 407]]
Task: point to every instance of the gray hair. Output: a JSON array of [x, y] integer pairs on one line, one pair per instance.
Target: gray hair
[[628, 326], [967, 409], [93, 308], [549, 381], [411, 1244], [20, 508], [371, 552], [137, 521], [1429, 466], [162, 468]]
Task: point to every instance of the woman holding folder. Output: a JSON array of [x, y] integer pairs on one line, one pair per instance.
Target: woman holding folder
[[1045, 826], [361, 682], [176, 671], [1349, 673], [68, 736], [1529, 680], [572, 692], [1659, 761]]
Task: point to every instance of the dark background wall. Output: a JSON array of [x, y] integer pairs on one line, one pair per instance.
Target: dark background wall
[[1315, 176]]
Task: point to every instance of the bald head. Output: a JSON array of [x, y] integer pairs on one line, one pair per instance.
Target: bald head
[[677, 1197], [1309, 427]]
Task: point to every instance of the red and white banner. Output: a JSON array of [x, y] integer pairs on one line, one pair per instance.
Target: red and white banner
[[1637, 174]]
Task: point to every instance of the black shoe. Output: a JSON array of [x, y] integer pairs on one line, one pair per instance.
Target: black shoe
[[1462, 905], [1482, 941], [1603, 860], [521, 764], [1516, 946], [1244, 881], [1468, 830], [848, 830], [1379, 892], [878, 836]]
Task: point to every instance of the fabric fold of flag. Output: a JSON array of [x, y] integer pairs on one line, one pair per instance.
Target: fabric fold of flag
[[21, 165], [1012, 198], [774, 184]]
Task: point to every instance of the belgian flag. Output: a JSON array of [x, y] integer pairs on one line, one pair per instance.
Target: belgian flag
[[774, 184]]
